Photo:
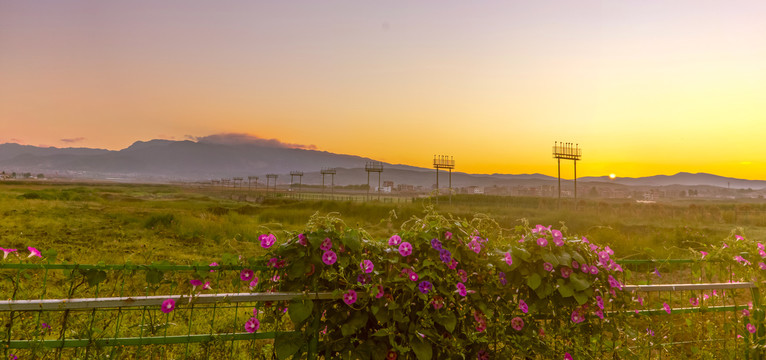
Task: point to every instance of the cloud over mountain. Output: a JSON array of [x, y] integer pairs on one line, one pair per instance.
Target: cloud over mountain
[[73, 140], [247, 139]]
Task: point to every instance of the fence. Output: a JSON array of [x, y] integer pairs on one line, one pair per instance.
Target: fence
[[66, 311]]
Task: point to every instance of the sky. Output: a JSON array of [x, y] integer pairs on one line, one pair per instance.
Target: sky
[[645, 87]]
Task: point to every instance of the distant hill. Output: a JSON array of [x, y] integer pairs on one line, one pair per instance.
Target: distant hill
[[167, 160]]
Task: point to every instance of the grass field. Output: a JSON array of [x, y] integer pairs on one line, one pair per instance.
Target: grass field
[[114, 223]]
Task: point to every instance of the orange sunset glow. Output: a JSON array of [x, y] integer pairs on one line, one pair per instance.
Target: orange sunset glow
[[643, 87]]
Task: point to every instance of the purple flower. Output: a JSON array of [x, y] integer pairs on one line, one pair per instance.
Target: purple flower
[[326, 244], [523, 306], [425, 287], [195, 282], [453, 264], [363, 279], [246, 274], [614, 283], [367, 266], [445, 256], [542, 242], [168, 306], [501, 276], [657, 272], [329, 257], [463, 275], [461, 289], [267, 240], [252, 325], [436, 244], [349, 297], [649, 332], [600, 302], [394, 240], [576, 317], [45, 326], [405, 249], [475, 246]]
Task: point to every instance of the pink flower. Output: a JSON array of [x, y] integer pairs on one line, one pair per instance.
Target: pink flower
[[523, 306], [603, 256], [650, 331], [762, 253], [367, 266], [405, 249], [565, 272], [556, 235], [567, 356], [302, 239], [542, 242], [599, 313], [761, 247], [475, 246], [253, 283], [704, 253], [326, 244], [751, 328], [508, 259], [329, 257], [6, 252], [213, 264], [600, 302], [593, 247], [656, 272], [246, 274], [413, 276], [667, 307], [608, 250], [207, 286], [548, 266], [614, 283], [453, 264], [738, 237], [463, 275], [437, 302], [594, 270], [252, 325], [461, 289], [517, 323], [584, 268], [394, 240], [267, 240], [195, 282], [349, 297], [482, 355], [380, 292], [575, 265], [762, 265], [168, 306], [576, 317], [34, 252], [745, 312], [694, 301], [448, 235]]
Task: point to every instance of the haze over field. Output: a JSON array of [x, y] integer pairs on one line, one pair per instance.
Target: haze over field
[[645, 87]]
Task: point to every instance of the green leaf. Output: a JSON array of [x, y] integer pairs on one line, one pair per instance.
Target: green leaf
[[578, 257], [566, 291], [422, 350], [154, 276], [95, 277], [581, 297], [548, 257], [356, 322], [534, 281], [287, 344], [565, 259], [578, 282], [300, 310], [448, 320], [296, 270]]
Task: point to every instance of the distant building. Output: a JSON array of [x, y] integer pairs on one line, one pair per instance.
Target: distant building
[[388, 183]]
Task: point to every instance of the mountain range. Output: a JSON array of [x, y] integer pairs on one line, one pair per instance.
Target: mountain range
[[169, 160]]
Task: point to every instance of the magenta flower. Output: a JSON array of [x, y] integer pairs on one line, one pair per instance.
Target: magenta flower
[[213, 264], [542, 242], [207, 286], [380, 292], [614, 283], [649, 332], [329, 257], [445, 256], [704, 253], [6, 252], [558, 242], [762, 253], [508, 259], [694, 301], [738, 237], [501, 276], [548, 266], [482, 355], [436, 244], [475, 246], [517, 323], [565, 272], [326, 244], [608, 250], [600, 302], [349, 297], [667, 307], [34, 252], [593, 247], [405, 249], [168, 306], [267, 240], [437, 302], [751, 328], [453, 264], [461, 289], [448, 235], [195, 282], [761, 247], [594, 270], [253, 283], [523, 306], [745, 312], [567, 356], [603, 256], [302, 239], [575, 265], [394, 240], [463, 275], [556, 235], [252, 325], [585, 269], [413, 276], [367, 266], [599, 313], [576, 317], [246, 274]]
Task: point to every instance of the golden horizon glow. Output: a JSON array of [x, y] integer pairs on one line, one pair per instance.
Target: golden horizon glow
[[644, 88]]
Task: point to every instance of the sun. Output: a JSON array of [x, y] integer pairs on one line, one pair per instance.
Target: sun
[[612, 176]]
